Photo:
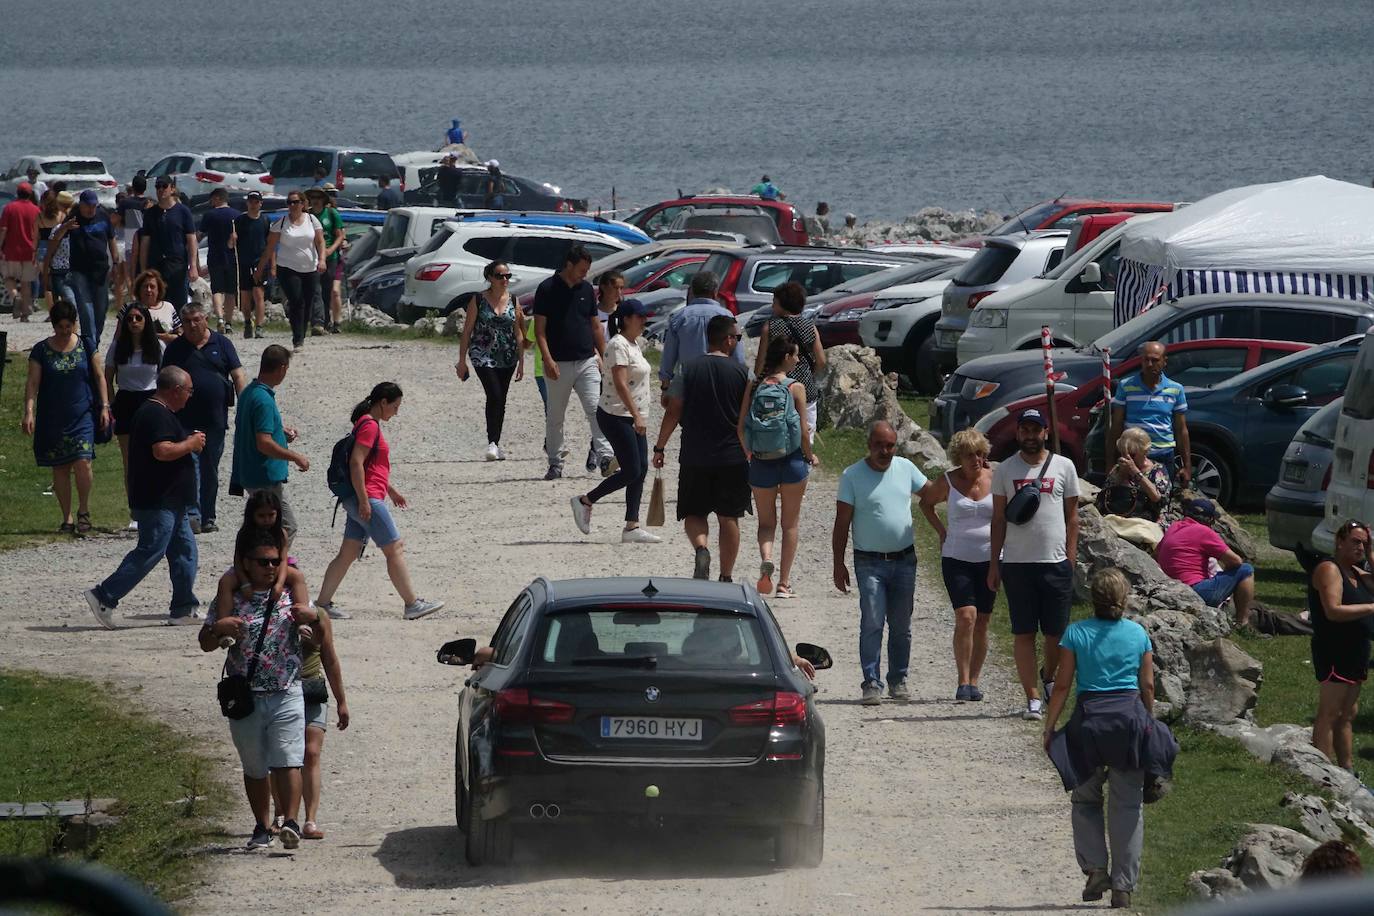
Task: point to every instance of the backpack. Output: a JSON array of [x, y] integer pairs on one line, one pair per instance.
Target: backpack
[[338, 477], [772, 428]]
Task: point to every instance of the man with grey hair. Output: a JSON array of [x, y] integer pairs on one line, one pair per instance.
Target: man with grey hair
[[685, 337], [162, 488], [217, 378]]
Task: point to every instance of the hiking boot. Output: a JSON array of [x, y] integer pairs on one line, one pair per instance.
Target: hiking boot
[[208, 528], [701, 564], [638, 536], [1121, 899], [317, 330], [582, 514], [248, 330], [1099, 882], [290, 835], [1035, 710], [104, 614], [554, 472], [259, 333], [765, 583], [260, 839], [872, 695], [898, 691], [421, 608]]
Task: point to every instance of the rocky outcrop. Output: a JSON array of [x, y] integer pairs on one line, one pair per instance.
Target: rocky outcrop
[[362, 314], [1223, 682], [1266, 858], [1099, 547], [930, 224], [1322, 821], [855, 393]]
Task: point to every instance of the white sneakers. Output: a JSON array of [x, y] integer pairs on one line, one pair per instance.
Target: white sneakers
[[493, 452], [421, 608], [1034, 710], [638, 536], [103, 615], [582, 514]]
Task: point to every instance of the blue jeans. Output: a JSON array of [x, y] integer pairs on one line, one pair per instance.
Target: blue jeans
[[207, 475], [90, 293], [161, 533], [1217, 589], [887, 595]]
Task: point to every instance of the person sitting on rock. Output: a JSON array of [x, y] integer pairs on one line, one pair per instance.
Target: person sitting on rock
[[1184, 554], [1136, 487]]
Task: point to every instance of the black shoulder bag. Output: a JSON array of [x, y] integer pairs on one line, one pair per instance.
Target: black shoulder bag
[[1026, 500], [236, 690]]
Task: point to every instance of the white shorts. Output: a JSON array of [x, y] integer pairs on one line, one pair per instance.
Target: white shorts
[[272, 737]]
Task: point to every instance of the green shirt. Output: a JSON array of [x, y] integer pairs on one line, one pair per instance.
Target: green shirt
[[332, 223], [257, 413]]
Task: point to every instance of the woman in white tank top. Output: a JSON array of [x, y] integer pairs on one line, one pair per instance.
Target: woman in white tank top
[[965, 544]]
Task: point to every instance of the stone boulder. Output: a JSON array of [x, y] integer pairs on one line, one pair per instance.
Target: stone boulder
[[200, 293], [368, 317], [1312, 813], [1216, 884], [428, 326], [1223, 684], [1269, 857], [453, 324], [1290, 746], [274, 312], [1099, 547]]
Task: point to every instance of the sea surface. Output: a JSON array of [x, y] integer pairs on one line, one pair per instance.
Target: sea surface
[[878, 107]]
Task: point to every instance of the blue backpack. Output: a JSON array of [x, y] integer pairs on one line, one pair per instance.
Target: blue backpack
[[772, 428], [338, 476]]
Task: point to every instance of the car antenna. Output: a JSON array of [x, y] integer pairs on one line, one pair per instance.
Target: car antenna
[[649, 590], [1017, 212]]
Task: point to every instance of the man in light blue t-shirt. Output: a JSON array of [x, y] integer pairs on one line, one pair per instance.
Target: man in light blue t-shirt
[[875, 501]]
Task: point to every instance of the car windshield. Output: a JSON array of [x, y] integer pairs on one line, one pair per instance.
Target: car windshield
[[641, 272], [1123, 339], [682, 638], [757, 228], [916, 273], [1029, 218], [74, 167], [235, 164], [987, 266], [368, 165], [394, 230]]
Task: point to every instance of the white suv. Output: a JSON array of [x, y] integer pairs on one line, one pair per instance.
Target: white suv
[[1350, 495], [449, 266], [900, 328], [79, 172], [201, 173]]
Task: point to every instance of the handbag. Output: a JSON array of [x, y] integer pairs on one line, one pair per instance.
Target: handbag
[[657, 509], [315, 690], [235, 691], [1023, 503]]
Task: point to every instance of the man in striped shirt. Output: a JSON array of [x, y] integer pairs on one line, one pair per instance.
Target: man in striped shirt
[[1157, 404]]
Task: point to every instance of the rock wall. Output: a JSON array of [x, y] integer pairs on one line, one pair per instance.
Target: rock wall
[[856, 393]]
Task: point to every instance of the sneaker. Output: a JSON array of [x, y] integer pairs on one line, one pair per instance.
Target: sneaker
[[608, 466], [974, 693], [193, 619], [1034, 710], [195, 524], [1099, 882], [872, 695], [701, 564], [898, 691], [132, 526], [765, 583], [421, 608], [639, 536], [208, 528], [1121, 899], [1048, 685], [962, 693], [332, 612], [260, 839], [591, 458], [500, 453], [104, 614], [290, 835], [334, 328], [492, 453], [317, 330], [554, 472], [259, 333], [582, 514]]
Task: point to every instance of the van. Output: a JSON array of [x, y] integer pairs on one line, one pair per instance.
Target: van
[[1351, 493]]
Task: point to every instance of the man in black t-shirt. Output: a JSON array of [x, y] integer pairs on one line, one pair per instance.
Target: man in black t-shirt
[[705, 397], [249, 241], [448, 178], [94, 247], [162, 487], [167, 242]]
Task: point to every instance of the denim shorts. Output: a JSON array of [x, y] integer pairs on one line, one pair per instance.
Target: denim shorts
[[1217, 589], [272, 737], [317, 716], [380, 528], [767, 473]]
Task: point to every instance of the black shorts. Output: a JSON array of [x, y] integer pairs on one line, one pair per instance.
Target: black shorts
[[1038, 596], [222, 279], [246, 278], [967, 584], [722, 490], [1340, 661], [125, 403]]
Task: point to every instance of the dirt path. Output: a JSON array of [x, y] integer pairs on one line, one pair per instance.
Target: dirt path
[[932, 807]]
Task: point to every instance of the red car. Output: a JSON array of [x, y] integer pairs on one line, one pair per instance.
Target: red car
[[838, 321], [659, 217], [1192, 363], [1061, 213], [661, 273]]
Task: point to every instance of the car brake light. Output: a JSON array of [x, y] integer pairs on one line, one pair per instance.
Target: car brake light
[[515, 706], [431, 272], [209, 176], [338, 178], [782, 708], [726, 291], [265, 179], [563, 206], [110, 183], [977, 298]]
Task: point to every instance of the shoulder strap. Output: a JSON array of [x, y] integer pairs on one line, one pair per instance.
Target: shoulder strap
[[272, 598], [375, 442], [1045, 467]]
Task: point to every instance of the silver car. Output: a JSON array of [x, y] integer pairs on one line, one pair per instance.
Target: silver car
[[1295, 505]]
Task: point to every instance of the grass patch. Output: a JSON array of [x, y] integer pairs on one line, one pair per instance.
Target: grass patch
[[62, 738]]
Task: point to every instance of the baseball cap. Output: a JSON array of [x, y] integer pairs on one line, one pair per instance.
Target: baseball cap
[[631, 307], [88, 196], [24, 186], [1200, 510], [1031, 416], [492, 164], [219, 192], [162, 181], [254, 195]]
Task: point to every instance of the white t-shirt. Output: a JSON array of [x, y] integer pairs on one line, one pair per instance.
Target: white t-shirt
[[296, 246], [1043, 538], [135, 375], [620, 351]]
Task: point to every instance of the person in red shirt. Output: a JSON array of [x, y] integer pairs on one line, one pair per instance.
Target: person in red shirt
[[19, 246], [1188, 546]]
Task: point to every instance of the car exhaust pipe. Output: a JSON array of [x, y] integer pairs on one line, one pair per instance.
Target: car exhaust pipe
[[552, 812], [537, 811]]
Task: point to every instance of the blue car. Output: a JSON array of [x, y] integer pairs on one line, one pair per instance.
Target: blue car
[[1240, 428], [614, 228]]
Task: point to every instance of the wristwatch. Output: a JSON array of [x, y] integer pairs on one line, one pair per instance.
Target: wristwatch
[[657, 450]]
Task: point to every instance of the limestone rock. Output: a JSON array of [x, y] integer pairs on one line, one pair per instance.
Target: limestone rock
[[1269, 856], [428, 326], [200, 293], [366, 315], [1216, 884], [1311, 764], [83, 831], [1099, 547], [1224, 682], [1312, 813], [855, 393], [274, 312], [1263, 742], [453, 324]]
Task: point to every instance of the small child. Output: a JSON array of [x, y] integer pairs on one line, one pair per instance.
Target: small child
[[263, 511]]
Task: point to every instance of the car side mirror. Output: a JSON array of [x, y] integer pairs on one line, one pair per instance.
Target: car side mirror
[[818, 657], [1285, 396], [457, 652], [1091, 275]]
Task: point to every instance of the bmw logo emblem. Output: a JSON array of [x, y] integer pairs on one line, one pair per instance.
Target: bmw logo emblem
[[651, 694]]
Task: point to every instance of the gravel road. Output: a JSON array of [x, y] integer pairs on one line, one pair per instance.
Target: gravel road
[[932, 807]]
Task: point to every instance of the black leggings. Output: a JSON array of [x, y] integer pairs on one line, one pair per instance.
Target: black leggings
[[299, 290], [632, 451], [496, 383]]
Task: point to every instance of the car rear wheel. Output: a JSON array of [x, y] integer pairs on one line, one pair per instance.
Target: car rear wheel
[[461, 810], [487, 842], [802, 845], [926, 373], [1212, 474]]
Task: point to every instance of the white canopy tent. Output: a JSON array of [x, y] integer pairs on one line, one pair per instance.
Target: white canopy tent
[[1306, 237]]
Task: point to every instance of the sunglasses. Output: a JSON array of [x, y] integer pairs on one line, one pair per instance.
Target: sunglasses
[[501, 276], [267, 561], [292, 201]]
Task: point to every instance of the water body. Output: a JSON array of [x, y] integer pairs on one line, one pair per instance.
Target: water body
[[877, 107]]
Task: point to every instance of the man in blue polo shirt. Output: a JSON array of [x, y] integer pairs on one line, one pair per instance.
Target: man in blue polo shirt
[[875, 500], [260, 453], [1155, 403]]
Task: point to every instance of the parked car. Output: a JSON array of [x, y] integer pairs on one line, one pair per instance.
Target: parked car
[[1192, 363], [1088, 229], [1002, 262], [1296, 504], [199, 203], [673, 271], [79, 172], [750, 223], [614, 228], [983, 385], [1240, 428], [599, 688], [354, 172], [361, 248], [1061, 212], [629, 259], [448, 268], [1351, 492], [381, 287], [201, 173], [900, 327], [837, 311], [749, 275], [416, 168], [923, 248], [660, 216], [516, 193]]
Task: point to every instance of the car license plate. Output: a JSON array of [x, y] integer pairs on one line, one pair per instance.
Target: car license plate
[[947, 339], [650, 727], [1294, 472]]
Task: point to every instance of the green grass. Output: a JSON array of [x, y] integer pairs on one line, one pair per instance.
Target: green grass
[[27, 516], [62, 739]]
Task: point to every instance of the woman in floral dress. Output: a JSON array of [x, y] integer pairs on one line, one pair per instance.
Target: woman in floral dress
[[493, 328]]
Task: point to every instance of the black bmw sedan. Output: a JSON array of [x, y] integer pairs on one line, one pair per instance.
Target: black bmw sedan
[[650, 701]]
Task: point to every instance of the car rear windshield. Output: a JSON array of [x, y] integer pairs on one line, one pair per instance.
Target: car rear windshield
[[756, 228], [235, 164], [394, 230], [300, 163], [987, 266], [718, 264], [1029, 218], [368, 165], [1359, 397], [686, 638], [1321, 427], [74, 167], [436, 241]]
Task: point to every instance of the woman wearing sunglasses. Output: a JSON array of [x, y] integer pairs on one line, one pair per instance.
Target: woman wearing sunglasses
[[295, 256], [131, 372], [1341, 598], [493, 329]]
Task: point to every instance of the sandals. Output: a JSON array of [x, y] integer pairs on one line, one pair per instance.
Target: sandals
[[83, 523], [784, 591], [66, 528], [311, 831]]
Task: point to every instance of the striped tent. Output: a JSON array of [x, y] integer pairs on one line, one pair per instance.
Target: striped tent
[[1307, 237]]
